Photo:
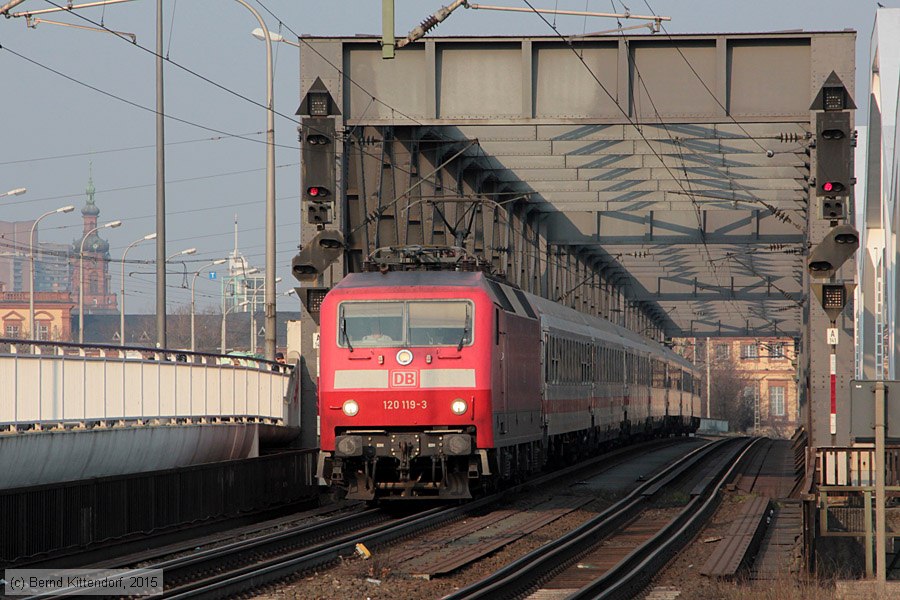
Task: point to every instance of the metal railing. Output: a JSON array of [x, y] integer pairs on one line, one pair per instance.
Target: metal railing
[[60, 384], [854, 466], [845, 495]]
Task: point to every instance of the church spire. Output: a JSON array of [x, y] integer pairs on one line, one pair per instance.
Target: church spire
[[90, 209]]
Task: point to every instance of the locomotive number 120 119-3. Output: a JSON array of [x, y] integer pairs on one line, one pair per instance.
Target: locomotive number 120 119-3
[[404, 404]]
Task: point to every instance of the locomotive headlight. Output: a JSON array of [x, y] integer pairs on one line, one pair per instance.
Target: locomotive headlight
[[404, 357], [350, 408], [459, 406]]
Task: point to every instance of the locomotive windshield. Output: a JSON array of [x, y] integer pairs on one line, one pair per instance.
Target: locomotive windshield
[[419, 323]]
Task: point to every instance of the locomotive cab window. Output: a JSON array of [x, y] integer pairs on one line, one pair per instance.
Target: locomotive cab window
[[366, 324], [440, 323], [380, 324]]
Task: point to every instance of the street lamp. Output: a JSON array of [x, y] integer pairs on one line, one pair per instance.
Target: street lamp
[[253, 317], [110, 225], [214, 263], [225, 315], [270, 189], [64, 209], [182, 253], [146, 238], [275, 37], [15, 192]]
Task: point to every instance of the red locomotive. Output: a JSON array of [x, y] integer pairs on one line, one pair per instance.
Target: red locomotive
[[437, 383]]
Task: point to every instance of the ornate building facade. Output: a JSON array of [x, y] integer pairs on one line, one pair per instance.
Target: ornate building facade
[[52, 316], [768, 368]]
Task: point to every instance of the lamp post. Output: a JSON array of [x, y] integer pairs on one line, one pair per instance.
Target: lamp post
[[187, 251], [214, 263], [64, 209], [110, 225], [275, 37], [15, 192], [224, 318], [253, 317], [182, 253], [270, 189], [148, 237]]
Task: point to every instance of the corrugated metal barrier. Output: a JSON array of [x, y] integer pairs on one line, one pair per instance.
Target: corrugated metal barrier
[[51, 518]]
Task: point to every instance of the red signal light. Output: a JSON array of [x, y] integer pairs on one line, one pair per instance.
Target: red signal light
[[828, 186], [316, 191], [834, 187]]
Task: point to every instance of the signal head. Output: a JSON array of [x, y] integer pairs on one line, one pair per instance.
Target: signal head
[[317, 191]]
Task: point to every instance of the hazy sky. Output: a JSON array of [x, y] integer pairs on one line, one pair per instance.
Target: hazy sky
[[53, 128]]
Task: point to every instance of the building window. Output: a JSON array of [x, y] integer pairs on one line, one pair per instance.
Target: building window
[[749, 351], [776, 400], [13, 330], [43, 331], [776, 350], [723, 351]]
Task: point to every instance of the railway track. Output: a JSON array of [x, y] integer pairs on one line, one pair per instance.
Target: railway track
[[198, 570], [222, 572], [161, 552], [223, 581], [650, 540], [243, 565]]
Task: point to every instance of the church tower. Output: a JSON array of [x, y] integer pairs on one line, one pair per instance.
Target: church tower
[[97, 297]]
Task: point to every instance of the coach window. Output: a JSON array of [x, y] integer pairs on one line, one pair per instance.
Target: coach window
[[443, 323], [585, 363], [554, 359]]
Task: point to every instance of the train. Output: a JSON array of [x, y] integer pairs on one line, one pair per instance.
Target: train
[[444, 384]]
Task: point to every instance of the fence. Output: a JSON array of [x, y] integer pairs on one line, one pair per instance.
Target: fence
[[63, 384]]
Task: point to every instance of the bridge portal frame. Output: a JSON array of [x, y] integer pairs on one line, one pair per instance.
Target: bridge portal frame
[[578, 240]]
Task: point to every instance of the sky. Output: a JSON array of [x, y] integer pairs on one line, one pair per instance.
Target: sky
[[55, 130]]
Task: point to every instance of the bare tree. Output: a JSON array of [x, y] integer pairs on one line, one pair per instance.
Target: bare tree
[[727, 393], [207, 325]]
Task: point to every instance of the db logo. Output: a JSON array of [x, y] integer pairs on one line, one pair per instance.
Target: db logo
[[404, 378]]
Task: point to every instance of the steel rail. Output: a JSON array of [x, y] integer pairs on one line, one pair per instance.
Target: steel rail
[[526, 572], [223, 535]]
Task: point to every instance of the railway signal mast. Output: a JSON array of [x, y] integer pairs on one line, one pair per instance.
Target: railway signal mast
[[834, 180], [322, 241]]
